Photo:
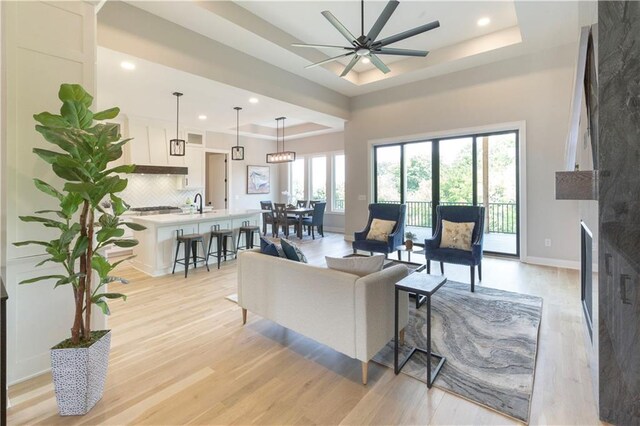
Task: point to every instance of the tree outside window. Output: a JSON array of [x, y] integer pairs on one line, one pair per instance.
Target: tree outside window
[[338, 182], [319, 178]]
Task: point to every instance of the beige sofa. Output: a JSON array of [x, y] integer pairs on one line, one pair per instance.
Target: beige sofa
[[353, 315]]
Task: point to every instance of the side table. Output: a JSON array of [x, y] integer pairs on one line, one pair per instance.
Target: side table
[[422, 285], [416, 249]]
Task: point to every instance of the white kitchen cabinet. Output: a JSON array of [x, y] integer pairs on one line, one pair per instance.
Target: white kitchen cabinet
[[194, 161]]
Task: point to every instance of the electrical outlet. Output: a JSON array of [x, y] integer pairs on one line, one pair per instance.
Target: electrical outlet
[[547, 242], [362, 198]]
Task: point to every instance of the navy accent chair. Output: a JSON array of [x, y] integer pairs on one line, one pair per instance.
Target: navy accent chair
[[316, 220], [395, 212], [473, 258]]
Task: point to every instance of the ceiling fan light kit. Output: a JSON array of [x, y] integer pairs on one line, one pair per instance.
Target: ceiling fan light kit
[[237, 152], [280, 156], [177, 145], [368, 45]]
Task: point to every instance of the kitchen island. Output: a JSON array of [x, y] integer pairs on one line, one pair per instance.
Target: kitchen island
[[157, 244]]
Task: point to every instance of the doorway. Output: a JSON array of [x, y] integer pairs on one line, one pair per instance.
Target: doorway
[[476, 169], [216, 188]]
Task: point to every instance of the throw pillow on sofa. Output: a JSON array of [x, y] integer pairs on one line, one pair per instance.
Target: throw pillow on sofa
[[269, 248], [357, 265], [292, 252], [457, 235], [380, 229]]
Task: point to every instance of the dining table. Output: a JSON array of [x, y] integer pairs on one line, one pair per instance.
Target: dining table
[[300, 212]]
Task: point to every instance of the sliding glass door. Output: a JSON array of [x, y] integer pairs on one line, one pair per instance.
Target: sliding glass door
[[478, 169]]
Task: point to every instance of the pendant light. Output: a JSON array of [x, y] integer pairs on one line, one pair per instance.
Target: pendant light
[[237, 152], [284, 156], [177, 145]]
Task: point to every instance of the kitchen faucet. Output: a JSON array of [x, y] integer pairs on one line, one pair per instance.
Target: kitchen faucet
[[198, 195]]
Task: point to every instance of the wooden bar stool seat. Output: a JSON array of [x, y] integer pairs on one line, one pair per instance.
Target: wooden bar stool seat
[[249, 231], [190, 241], [221, 236]]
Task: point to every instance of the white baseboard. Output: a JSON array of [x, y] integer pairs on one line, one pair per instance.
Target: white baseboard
[[335, 230], [557, 263]]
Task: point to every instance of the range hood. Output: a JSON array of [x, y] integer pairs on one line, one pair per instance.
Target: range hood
[[161, 170]]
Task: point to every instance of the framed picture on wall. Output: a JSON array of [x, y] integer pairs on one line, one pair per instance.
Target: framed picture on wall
[[258, 179]]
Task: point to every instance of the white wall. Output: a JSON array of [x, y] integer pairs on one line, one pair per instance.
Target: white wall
[[255, 154], [44, 45], [534, 88]]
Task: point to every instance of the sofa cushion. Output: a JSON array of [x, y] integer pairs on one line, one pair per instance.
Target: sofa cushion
[[292, 252], [268, 247], [357, 265], [380, 229], [456, 235]]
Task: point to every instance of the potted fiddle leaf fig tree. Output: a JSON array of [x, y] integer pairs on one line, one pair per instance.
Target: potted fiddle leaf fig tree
[[83, 149]]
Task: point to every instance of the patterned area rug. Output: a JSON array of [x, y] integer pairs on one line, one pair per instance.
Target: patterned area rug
[[490, 340]]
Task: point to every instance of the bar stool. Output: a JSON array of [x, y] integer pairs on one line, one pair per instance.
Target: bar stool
[[190, 241], [221, 236], [249, 232]]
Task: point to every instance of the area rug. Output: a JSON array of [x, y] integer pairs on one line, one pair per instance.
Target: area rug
[[490, 340]]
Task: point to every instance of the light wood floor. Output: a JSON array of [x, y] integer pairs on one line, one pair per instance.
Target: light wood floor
[[180, 355]]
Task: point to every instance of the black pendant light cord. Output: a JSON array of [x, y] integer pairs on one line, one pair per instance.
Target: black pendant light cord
[[283, 118], [362, 17]]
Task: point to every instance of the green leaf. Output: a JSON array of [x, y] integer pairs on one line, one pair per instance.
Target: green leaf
[[48, 156], [118, 205], [60, 137], [101, 266], [42, 278], [50, 120], [130, 242], [115, 264], [48, 189], [68, 280], [134, 226], [49, 223], [82, 243], [71, 203], [39, 243], [103, 305], [128, 168], [107, 114], [112, 296], [65, 173], [58, 212], [106, 233], [74, 92]]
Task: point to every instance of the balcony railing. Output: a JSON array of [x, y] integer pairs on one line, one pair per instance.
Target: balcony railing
[[502, 217]]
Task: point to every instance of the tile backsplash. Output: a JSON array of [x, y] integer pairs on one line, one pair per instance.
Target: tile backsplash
[[155, 190]]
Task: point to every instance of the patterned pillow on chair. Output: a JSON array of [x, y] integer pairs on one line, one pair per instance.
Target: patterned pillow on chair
[[457, 235], [380, 229]]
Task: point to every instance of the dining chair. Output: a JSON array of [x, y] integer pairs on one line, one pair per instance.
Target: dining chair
[[267, 216], [281, 220], [316, 220]]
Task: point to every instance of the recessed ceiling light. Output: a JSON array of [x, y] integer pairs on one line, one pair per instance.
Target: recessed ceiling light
[[202, 117], [127, 65], [253, 100], [483, 22], [366, 60]]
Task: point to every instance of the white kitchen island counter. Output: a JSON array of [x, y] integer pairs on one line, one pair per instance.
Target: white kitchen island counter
[[156, 250]]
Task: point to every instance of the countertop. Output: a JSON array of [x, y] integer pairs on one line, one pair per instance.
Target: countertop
[[173, 219]]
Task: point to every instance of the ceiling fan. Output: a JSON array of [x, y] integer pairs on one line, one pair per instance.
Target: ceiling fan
[[366, 45]]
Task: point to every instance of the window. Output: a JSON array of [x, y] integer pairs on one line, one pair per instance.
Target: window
[[338, 183], [319, 178], [297, 180]]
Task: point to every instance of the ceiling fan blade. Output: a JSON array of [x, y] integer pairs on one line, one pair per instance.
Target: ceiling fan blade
[[329, 60], [343, 30], [400, 52], [379, 64], [382, 20], [350, 65], [406, 34], [320, 46]]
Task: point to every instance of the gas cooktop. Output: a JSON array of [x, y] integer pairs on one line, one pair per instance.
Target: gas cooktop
[[143, 211]]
